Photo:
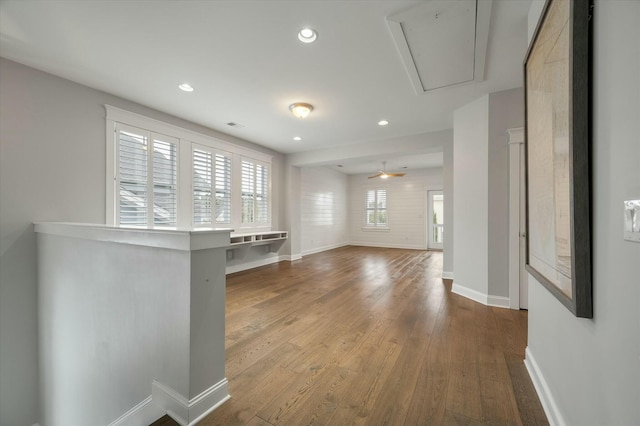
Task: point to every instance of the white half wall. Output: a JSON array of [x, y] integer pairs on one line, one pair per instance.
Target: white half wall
[[406, 209], [590, 368], [323, 209]]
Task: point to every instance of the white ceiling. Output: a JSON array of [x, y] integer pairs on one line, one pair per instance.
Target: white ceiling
[[247, 65]]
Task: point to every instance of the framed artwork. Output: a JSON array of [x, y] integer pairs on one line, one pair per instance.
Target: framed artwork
[[557, 75]]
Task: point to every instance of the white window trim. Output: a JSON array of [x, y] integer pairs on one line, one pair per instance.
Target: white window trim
[[186, 139]]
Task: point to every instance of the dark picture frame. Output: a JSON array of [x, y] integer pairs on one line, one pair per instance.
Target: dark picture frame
[[557, 80]]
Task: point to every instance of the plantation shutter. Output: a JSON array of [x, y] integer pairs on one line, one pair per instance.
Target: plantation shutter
[[202, 178], [376, 207], [165, 181], [133, 177], [262, 191], [248, 191], [211, 187], [147, 178]]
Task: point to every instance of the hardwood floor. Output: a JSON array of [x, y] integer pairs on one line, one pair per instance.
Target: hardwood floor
[[369, 336]]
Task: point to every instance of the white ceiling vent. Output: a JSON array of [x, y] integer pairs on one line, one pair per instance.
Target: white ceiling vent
[[442, 42]]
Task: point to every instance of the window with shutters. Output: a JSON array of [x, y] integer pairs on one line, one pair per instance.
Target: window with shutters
[[161, 175], [147, 176], [211, 187], [254, 192], [376, 208]]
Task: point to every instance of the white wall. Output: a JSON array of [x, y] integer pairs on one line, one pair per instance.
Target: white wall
[[470, 198], [323, 209], [406, 208], [52, 168], [592, 366], [447, 184]]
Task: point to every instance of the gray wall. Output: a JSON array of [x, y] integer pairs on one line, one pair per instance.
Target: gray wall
[[52, 168], [592, 366], [506, 111], [470, 199], [447, 187]]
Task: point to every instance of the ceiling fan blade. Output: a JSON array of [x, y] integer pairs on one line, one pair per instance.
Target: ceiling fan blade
[[376, 175], [396, 174]]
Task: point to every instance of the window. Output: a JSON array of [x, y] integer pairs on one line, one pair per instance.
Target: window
[[376, 208], [255, 192], [161, 175], [211, 187], [147, 178], [435, 231]]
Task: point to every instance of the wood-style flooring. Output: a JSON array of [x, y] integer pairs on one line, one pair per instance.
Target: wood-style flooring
[[369, 336]]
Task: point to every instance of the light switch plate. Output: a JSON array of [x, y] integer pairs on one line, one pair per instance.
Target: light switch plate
[[632, 220]]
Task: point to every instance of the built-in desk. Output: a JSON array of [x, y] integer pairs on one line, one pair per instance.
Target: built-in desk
[[131, 323]]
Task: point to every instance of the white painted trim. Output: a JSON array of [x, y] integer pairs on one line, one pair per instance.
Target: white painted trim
[[446, 275], [190, 412], [325, 248], [516, 135], [144, 413], [291, 258], [250, 265], [385, 245], [170, 238], [542, 389], [476, 296]]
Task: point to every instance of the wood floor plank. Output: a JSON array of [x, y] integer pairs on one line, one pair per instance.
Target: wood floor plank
[[368, 336]]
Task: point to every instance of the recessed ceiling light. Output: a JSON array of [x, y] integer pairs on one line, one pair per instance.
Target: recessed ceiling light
[[307, 35], [186, 87], [383, 123], [297, 138]]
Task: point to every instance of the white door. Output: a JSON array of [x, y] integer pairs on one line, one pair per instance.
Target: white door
[[435, 219], [518, 285], [522, 235]]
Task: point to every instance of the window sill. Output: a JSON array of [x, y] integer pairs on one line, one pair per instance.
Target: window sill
[[375, 229]]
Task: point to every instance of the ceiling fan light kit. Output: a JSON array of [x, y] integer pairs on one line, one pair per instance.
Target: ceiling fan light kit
[[382, 174]]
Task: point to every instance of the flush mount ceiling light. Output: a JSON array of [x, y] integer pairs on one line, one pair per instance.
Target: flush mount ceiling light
[[301, 109], [186, 87], [383, 123], [307, 35], [297, 138]]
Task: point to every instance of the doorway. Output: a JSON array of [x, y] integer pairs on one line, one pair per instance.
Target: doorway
[[435, 219]]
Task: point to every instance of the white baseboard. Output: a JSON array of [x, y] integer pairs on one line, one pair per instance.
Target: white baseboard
[[542, 388], [144, 413], [291, 258], [250, 265], [189, 412], [476, 296], [325, 248], [447, 275]]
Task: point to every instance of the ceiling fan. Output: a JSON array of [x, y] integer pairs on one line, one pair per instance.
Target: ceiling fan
[[382, 174]]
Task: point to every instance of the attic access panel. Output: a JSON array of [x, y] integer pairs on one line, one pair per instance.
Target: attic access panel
[[442, 42]]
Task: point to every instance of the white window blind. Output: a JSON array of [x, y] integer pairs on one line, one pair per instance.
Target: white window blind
[[262, 193], [255, 193], [211, 187], [248, 191], [376, 208], [133, 201], [148, 178], [165, 182]]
